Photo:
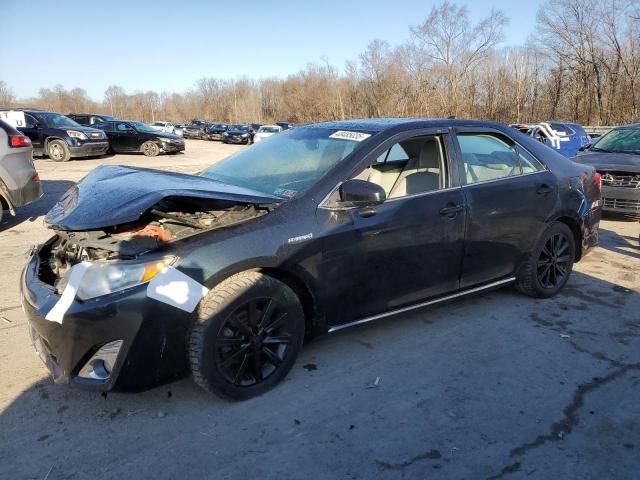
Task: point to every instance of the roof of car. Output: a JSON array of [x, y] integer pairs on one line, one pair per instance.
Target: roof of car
[[380, 124]]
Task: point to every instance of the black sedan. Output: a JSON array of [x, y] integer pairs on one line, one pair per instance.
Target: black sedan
[[151, 275], [130, 137], [616, 157], [216, 131], [193, 131], [238, 134]]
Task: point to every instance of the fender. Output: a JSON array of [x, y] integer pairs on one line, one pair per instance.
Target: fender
[[6, 199]]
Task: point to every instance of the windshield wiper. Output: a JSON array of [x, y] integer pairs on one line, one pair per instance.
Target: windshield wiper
[[596, 149]]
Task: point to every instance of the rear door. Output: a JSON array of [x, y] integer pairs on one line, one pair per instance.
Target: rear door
[[509, 195], [398, 253], [33, 130], [125, 138]]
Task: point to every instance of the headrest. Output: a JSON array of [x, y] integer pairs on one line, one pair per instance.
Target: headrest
[[429, 154]]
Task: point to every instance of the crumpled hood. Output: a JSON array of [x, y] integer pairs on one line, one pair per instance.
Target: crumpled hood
[[114, 194], [625, 162]]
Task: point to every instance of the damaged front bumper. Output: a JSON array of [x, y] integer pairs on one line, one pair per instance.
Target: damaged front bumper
[[143, 339]]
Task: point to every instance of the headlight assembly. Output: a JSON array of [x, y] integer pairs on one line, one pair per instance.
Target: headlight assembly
[[76, 134], [103, 278]]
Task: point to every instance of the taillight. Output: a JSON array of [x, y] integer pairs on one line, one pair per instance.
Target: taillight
[[36, 178], [17, 141], [597, 178]]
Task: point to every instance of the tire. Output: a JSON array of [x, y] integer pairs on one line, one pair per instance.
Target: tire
[[549, 265], [58, 151], [236, 355], [150, 149]]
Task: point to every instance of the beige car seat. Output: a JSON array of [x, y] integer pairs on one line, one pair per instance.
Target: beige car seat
[[422, 175]]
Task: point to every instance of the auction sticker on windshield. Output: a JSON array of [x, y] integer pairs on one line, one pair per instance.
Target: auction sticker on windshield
[[345, 135]]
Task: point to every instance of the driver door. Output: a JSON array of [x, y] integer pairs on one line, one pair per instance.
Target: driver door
[[403, 251]]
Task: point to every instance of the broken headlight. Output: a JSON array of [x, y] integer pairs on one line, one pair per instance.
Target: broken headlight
[[103, 278]]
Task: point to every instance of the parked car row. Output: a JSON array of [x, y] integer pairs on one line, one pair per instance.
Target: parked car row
[[62, 138]]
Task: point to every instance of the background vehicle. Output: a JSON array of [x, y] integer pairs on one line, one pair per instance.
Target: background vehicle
[[266, 131], [193, 131], [19, 181], [238, 134], [567, 138], [285, 125], [616, 156], [61, 138], [166, 127], [216, 131], [178, 129], [126, 136], [90, 118], [362, 220]]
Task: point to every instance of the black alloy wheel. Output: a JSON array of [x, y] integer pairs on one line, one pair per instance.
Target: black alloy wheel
[[553, 262], [253, 342], [246, 336], [548, 267]]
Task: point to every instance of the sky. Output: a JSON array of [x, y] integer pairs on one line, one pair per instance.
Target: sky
[[168, 45]]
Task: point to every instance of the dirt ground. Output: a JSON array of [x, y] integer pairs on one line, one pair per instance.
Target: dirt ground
[[494, 386]]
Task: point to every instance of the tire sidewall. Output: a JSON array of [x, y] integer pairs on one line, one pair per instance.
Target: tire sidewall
[[211, 325]]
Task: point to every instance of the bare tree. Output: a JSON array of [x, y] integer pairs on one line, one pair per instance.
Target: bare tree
[[456, 46]]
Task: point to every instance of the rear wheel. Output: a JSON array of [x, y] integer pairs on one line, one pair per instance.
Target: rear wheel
[[150, 149], [58, 151], [247, 334], [550, 264]]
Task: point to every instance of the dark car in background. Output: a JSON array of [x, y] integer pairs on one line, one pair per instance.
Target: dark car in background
[[238, 134], [285, 125], [216, 131], [126, 136], [90, 118], [19, 181], [320, 228], [616, 156], [61, 138], [193, 131]]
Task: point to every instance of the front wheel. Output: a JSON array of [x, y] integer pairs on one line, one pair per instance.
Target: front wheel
[[246, 336], [150, 149], [548, 268], [58, 151]]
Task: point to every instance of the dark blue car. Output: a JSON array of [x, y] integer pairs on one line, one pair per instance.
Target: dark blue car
[[565, 137]]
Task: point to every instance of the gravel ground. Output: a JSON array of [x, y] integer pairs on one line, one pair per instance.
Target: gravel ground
[[494, 386]]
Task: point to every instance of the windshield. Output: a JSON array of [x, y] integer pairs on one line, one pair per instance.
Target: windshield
[[57, 120], [158, 124], [269, 130], [620, 140], [143, 127], [287, 165], [240, 128]]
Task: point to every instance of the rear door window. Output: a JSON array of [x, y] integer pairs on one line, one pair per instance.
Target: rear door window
[[489, 156]]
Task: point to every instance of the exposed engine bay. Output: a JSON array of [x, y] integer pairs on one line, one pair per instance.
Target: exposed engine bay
[[170, 220]]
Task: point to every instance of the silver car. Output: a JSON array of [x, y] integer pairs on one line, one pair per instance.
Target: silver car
[[19, 181]]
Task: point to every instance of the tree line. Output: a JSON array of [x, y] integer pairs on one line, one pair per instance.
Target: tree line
[[582, 63]]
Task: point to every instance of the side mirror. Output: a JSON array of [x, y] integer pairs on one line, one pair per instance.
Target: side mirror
[[360, 193], [586, 147]]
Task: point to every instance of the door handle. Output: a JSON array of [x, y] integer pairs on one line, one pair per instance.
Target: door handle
[[451, 210], [544, 189]]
